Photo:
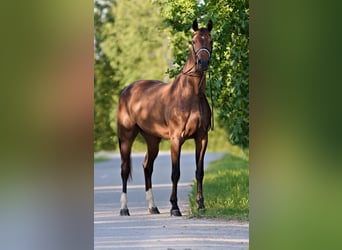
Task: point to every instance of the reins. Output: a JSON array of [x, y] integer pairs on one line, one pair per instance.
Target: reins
[[189, 73], [212, 104]]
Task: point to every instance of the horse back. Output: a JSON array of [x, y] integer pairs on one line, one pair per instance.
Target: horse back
[[143, 103]]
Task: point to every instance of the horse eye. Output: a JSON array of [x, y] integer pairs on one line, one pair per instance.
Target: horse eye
[[193, 41]]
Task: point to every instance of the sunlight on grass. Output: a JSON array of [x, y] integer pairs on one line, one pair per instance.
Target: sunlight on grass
[[225, 190]]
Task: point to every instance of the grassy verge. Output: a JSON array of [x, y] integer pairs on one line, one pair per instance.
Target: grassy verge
[[225, 190], [98, 159]]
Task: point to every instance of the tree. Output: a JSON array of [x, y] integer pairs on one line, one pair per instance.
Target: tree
[[130, 44], [139, 48], [104, 83], [229, 66]]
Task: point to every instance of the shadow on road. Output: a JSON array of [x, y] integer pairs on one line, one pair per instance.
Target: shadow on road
[[144, 231]]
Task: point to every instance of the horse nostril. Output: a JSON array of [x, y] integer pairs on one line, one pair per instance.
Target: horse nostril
[[203, 63]]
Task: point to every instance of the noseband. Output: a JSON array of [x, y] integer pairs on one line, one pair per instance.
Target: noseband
[[189, 73], [199, 50]]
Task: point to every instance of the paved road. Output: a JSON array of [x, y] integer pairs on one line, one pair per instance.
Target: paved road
[[143, 231]]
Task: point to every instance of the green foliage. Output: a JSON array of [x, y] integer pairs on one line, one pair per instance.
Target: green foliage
[[137, 48], [130, 44], [178, 17], [132, 40], [104, 85], [226, 190], [230, 65], [231, 68], [98, 159]]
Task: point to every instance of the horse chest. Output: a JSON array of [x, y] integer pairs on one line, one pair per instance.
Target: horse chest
[[188, 121], [193, 123]]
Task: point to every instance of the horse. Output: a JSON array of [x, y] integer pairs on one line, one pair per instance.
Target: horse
[[176, 111]]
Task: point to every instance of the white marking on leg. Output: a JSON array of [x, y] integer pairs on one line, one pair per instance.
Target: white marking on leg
[[123, 200], [149, 198]]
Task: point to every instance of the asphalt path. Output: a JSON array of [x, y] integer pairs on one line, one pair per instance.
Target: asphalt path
[[144, 231]]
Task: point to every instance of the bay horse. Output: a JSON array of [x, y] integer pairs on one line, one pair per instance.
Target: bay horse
[[177, 111]]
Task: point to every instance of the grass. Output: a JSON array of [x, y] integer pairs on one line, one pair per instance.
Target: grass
[[225, 190], [98, 159]]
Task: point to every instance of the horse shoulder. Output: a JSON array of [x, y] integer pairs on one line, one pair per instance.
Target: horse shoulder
[[201, 113]]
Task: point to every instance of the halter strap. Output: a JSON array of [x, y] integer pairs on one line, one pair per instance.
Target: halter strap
[[189, 73], [201, 49]]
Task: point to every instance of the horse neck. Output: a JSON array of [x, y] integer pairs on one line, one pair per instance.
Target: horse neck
[[190, 79]]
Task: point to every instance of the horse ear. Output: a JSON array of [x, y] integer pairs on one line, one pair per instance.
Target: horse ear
[[210, 25], [195, 25]]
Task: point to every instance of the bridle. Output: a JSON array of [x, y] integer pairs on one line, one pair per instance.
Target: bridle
[[188, 72], [199, 50]]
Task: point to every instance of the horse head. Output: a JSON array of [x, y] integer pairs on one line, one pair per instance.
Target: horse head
[[202, 46]]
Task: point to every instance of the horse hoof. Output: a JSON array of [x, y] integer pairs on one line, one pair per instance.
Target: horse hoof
[[153, 210], [175, 212], [201, 207], [201, 210], [124, 212]]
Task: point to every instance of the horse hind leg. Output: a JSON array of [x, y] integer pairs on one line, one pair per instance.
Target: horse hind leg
[[151, 154], [126, 139]]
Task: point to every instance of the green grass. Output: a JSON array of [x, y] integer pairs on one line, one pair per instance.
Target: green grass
[[225, 190], [98, 159]]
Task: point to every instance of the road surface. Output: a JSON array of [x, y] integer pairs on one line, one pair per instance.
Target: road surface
[[144, 231]]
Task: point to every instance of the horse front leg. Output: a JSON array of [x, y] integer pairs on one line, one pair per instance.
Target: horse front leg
[[201, 146], [175, 156]]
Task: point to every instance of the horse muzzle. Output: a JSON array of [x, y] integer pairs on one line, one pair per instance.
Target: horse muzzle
[[203, 64], [202, 56]]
